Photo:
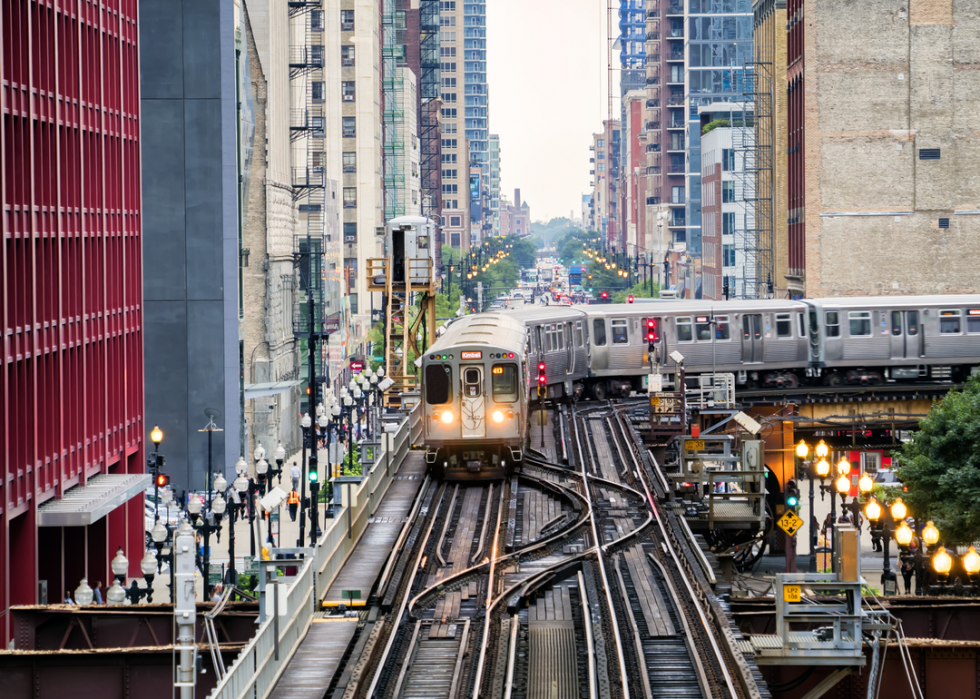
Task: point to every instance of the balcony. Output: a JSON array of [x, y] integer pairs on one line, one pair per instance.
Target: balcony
[[674, 169], [653, 103], [653, 126], [674, 8], [653, 81], [653, 201], [653, 170], [675, 101], [677, 221], [653, 35], [676, 55]]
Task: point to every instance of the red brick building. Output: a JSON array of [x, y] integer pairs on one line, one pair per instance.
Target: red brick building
[[71, 389]]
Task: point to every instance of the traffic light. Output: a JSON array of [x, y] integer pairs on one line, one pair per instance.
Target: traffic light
[[542, 374], [651, 334], [312, 470], [162, 480], [629, 299], [605, 295], [792, 495]]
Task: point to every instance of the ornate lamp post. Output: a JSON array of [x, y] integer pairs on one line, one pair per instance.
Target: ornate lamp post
[[261, 466], [971, 564], [942, 562], [280, 456], [305, 423], [117, 594]]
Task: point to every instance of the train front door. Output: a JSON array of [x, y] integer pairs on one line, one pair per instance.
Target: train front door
[[752, 348], [905, 334], [473, 403]]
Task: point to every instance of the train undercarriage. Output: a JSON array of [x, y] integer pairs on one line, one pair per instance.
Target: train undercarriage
[[473, 462]]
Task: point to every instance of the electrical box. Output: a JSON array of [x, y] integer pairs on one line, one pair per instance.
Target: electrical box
[[847, 556], [752, 459], [411, 246], [185, 606]]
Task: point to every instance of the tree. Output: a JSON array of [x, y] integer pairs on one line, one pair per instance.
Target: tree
[[941, 465]]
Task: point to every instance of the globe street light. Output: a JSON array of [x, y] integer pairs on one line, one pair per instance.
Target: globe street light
[[875, 512], [942, 562]]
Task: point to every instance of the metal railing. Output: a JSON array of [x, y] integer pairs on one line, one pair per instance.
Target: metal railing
[[261, 663]]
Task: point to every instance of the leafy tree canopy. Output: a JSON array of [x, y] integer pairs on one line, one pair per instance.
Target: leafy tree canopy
[[941, 465]]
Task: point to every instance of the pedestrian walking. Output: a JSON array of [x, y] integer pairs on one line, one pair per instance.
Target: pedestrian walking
[[295, 473], [216, 595], [97, 592], [292, 500], [907, 569]]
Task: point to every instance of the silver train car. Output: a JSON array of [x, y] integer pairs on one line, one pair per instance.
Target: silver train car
[[875, 339], [475, 383], [557, 337]]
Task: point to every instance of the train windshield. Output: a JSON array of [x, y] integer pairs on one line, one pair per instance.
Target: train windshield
[[438, 384], [505, 383]]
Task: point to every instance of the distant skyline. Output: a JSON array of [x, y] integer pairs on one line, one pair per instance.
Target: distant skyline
[[546, 68]]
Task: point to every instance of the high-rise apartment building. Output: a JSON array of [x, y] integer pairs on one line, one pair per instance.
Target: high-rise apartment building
[[495, 182], [883, 146], [476, 108], [455, 153], [717, 48], [632, 45], [361, 137], [666, 125], [71, 389], [606, 154]]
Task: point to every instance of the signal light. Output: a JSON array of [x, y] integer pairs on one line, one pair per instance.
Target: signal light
[[542, 374], [162, 480], [792, 495], [308, 390], [629, 299], [605, 294]]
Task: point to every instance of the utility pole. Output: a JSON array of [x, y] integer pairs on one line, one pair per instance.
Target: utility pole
[[311, 361]]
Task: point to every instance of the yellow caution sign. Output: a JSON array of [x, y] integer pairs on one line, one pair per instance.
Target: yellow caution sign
[[792, 593], [694, 444], [790, 522]]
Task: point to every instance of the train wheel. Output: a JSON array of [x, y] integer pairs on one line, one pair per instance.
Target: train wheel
[[835, 380], [600, 391]]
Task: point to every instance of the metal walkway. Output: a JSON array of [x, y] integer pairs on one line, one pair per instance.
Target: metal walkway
[[317, 659], [364, 565]]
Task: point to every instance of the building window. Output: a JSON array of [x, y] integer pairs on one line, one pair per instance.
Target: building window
[[450, 189], [350, 127], [449, 143], [601, 143], [449, 113], [728, 191], [350, 197], [449, 97], [601, 156], [350, 232], [347, 55], [447, 51], [676, 195], [449, 128], [449, 21], [447, 5], [728, 252], [602, 167], [449, 174], [449, 82], [455, 221], [448, 66], [347, 90], [454, 239], [353, 303], [728, 160], [316, 92], [449, 158], [350, 162], [445, 35], [316, 20], [347, 20], [728, 223]]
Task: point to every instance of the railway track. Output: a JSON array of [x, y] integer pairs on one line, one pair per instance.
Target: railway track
[[563, 582]]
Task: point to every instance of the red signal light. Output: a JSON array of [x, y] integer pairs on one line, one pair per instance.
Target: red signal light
[[163, 480], [629, 299], [605, 295]]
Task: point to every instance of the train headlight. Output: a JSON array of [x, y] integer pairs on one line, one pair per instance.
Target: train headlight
[[498, 416], [447, 417]]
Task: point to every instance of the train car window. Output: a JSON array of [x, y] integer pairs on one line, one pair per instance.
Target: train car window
[[949, 322], [722, 328], [973, 321], [579, 340], [560, 337], [504, 382], [438, 384], [620, 332], [832, 323], [530, 341], [896, 322], [702, 329], [784, 325], [599, 332], [472, 386], [913, 323], [859, 323], [684, 330], [802, 321]]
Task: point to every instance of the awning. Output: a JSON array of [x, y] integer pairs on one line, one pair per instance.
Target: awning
[[85, 504], [258, 390]]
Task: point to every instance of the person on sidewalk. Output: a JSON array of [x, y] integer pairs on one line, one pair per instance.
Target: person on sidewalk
[[907, 569], [97, 592], [295, 474], [292, 500]]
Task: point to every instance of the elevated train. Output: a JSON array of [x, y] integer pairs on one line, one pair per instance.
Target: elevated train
[[599, 351]]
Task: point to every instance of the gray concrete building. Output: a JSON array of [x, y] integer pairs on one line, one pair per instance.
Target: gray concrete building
[[190, 231]]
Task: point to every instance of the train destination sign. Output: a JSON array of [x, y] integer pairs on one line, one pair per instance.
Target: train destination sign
[[471, 355]]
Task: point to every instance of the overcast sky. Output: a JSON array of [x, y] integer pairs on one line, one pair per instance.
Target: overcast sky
[[546, 66]]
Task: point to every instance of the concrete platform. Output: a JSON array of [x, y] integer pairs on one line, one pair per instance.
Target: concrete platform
[[367, 560], [317, 659]]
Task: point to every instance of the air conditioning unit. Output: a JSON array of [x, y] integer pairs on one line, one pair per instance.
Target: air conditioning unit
[[348, 98], [347, 62], [350, 239]]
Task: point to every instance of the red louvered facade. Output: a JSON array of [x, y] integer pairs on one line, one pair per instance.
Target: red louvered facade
[[71, 389]]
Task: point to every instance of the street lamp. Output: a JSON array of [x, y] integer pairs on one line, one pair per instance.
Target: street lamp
[[280, 456], [84, 594], [802, 451], [874, 511], [305, 423], [942, 562], [971, 564]]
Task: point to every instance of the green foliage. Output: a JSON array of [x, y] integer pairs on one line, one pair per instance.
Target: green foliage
[[352, 467], [712, 125], [941, 465], [639, 290]]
